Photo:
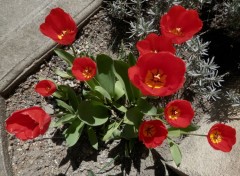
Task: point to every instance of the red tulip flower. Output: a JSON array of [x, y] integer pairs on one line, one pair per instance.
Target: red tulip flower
[[28, 123], [60, 27], [154, 43], [180, 24], [84, 68], [159, 74], [152, 133], [222, 137], [179, 113], [45, 88]]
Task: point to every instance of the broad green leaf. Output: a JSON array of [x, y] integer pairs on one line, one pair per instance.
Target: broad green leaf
[[64, 119], [93, 114], [119, 92], [63, 74], [92, 83], [121, 71], [92, 137], [110, 132], [129, 132], [103, 92], [74, 131], [72, 97], [119, 107], [90, 173], [176, 132], [131, 59], [65, 56], [133, 117], [145, 107], [64, 105], [105, 75], [175, 152]]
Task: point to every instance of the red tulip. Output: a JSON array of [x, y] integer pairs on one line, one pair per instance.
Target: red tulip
[[60, 27], [154, 43], [159, 74], [45, 88], [222, 137], [84, 68], [152, 133], [179, 113], [180, 24], [28, 123]]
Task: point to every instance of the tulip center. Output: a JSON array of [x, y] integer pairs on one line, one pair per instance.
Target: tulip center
[[216, 137], [88, 72], [63, 33], [176, 31], [149, 131], [173, 112], [155, 78]]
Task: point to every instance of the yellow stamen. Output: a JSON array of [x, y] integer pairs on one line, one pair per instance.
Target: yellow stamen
[[216, 137], [176, 31], [88, 72], [63, 33], [155, 78], [173, 112]]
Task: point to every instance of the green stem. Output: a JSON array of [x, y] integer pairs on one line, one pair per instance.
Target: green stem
[[74, 51], [193, 134]]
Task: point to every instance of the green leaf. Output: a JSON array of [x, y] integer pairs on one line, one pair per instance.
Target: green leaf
[[121, 71], [119, 107], [64, 119], [175, 152], [65, 56], [177, 132], [105, 75], [133, 117], [103, 92], [71, 95], [93, 114], [145, 107], [92, 137], [129, 132], [90, 173], [73, 133], [110, 131], [64, 105], [63, 74], [131, 59], [119, 92]]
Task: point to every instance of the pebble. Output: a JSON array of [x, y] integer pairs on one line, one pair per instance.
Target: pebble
[[49, 109]]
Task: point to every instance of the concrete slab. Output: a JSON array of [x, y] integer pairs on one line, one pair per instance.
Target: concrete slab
[[23, 47], [200, 159]]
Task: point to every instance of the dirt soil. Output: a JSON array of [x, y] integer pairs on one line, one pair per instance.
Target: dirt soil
[[48, 155]]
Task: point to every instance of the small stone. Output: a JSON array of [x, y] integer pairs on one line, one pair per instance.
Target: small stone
[[48, 109]]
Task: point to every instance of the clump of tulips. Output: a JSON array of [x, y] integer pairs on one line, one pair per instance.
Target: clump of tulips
[[123, 88]]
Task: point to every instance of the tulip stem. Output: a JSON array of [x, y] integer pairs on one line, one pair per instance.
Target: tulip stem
[[193, 134], [74, 51]]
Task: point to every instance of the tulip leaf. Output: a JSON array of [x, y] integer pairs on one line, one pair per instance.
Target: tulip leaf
[[93, 114], [133, 117], [119, 92], [129, 132], [64, 105], [63, 74], [145, 107], [114, 126], [131, 59], [90, 173], [177, 132], [73, 132], [175, 152], [121, 71], [103, 92], [65, 56], [92, 137], [105, 75], [64, 119]]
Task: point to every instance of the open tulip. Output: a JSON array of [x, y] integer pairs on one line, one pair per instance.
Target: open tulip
[[154, 43], [222, 137], [179, 113], [28, 123], [45, 88], [159, 74], [84, 68], [60, 27], [152, 133], [180, 24]]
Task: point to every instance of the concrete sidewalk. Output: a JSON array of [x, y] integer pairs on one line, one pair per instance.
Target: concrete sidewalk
[[23, 47]]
